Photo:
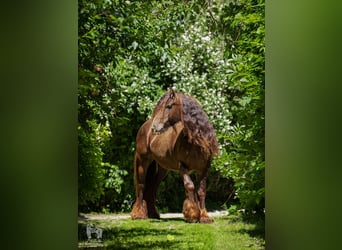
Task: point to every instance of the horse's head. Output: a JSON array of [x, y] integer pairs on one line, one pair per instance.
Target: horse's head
[[167, 112]]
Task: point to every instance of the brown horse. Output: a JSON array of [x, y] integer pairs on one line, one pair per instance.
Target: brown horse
[[178, 137]]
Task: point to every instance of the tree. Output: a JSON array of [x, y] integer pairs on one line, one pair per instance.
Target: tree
[[130, 51]]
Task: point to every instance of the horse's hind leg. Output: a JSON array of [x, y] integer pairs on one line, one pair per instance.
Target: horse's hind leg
[[139, 210], [191, 211], [155, 174], [204, 217]]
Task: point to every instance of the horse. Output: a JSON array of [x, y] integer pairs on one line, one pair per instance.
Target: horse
[[178, 137]]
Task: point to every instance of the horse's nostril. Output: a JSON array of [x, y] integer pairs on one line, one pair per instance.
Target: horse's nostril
[[155, 130]]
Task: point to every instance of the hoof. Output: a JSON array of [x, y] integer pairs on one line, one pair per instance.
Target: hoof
[[153, 214], [206, 220], [205, 217], [191, 211], [139, 212]]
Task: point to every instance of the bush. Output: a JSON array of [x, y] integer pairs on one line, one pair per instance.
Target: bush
[[130, 51]]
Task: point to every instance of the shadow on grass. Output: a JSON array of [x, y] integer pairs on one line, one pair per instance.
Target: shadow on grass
[[258, 231], [168, 219], [131, 238]]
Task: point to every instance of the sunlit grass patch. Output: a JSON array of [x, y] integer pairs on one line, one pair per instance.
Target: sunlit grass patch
[[227, 232]]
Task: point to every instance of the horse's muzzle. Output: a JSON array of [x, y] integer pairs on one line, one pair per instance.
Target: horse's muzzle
[[155, 132]]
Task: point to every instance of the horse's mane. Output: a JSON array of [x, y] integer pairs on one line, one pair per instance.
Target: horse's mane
[[197, 126]]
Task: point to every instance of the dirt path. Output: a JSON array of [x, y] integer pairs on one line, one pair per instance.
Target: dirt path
[[126, 216]]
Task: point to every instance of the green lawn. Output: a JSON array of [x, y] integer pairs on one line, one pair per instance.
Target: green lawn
[[227, 232]]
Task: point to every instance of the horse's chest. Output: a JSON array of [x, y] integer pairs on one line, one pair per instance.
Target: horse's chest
[[162, 145]]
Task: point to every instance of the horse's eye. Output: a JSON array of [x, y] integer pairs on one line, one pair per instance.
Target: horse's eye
[[169, 106]]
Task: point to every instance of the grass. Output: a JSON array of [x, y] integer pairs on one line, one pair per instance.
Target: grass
[[228, 232]]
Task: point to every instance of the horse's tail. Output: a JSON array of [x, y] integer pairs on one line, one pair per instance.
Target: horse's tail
[[135, 176], [137, 162], [150, 179]]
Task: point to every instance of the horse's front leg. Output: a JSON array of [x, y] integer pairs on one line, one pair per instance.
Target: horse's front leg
[[139, 210], [191, 211], [204, 217], [155, 175]]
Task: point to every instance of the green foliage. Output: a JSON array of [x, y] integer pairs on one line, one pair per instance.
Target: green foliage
[[244, 155], [91, 174], [130, 51]]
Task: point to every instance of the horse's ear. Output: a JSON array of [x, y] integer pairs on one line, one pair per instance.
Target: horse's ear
[[172, 92]]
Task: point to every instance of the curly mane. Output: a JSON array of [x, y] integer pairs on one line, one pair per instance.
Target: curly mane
[[197, 126]]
